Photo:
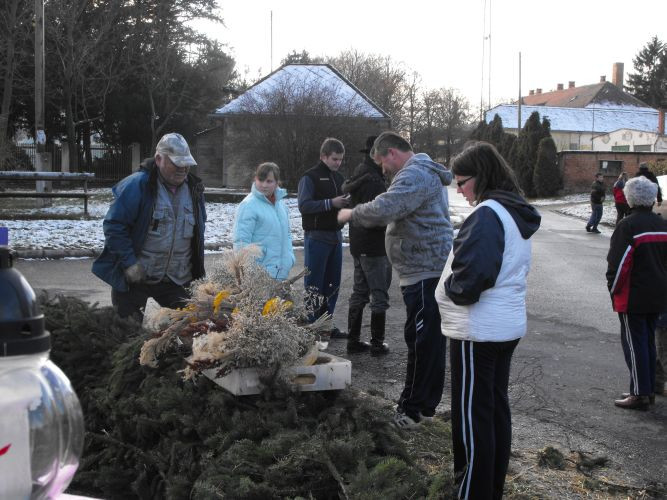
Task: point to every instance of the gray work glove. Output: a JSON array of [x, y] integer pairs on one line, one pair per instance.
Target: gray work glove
[[135, 273]]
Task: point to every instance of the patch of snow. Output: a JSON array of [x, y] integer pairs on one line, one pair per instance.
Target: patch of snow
[[69, 234], [570, 198]]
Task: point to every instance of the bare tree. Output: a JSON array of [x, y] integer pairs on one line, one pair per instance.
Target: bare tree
[[15, 31], [85, 60], [443, 123], [381, 78]]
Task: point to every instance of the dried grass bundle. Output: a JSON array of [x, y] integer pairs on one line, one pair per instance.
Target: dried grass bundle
[[239, 317]]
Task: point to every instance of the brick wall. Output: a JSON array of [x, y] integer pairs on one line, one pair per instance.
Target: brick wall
[[579, 167]]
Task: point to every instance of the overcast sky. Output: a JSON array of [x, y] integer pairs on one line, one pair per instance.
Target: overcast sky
[[443, 40]]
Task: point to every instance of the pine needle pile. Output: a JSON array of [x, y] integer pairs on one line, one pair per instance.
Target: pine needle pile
[[151, 434]]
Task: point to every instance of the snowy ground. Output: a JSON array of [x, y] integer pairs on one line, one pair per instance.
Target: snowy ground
[[62, 226]]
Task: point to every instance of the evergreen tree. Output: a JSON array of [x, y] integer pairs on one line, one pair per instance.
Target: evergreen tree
[[525, 152], [496, 132], [547, 178], [649, 82], [480, 132]]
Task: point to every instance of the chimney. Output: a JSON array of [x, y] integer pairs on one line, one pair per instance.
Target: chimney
[[531, 92], [617, 74], [603, 78], [570, 84], [538, 91], [661, 121], [559, 86]]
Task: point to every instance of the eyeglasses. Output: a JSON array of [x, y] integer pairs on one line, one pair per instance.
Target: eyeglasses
[[460, 184]]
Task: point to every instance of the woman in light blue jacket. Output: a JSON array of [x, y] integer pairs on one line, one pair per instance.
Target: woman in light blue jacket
[[262, 219]]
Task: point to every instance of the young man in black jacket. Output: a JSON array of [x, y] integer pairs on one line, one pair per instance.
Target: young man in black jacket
[[320, 198], [372, 270]]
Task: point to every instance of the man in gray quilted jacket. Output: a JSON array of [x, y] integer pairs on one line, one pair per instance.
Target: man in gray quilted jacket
[[418, 240]]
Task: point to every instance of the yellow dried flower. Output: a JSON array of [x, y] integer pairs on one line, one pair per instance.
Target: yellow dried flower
[[276, 306], [223, 295]]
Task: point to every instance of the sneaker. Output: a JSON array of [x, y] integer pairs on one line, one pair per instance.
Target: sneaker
[[427, 419], [595, 230], [337, 334], [405, 422], [588, 229]]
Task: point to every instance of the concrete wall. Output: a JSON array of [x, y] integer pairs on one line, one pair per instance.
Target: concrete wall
[[229, 154], [631, 139], [579, 167], [208, 154]]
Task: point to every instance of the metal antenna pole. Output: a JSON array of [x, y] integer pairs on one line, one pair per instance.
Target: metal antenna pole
[[518, 125]]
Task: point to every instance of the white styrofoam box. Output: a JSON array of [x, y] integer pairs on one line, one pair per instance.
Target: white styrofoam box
[[328, 373]]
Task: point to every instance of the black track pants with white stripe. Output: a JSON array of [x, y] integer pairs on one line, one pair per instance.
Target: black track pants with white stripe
[[481, 419], [638, 341], [427, 350]]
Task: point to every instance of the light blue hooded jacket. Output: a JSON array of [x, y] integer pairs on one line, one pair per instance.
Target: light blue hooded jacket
[[266, 225]]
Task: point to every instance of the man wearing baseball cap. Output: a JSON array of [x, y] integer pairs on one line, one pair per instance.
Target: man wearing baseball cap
[[154, 231]]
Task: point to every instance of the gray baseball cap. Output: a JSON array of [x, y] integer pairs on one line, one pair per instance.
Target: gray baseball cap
[[176, 148]]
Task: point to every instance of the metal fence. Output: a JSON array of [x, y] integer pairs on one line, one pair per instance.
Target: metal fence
[[109, 164]]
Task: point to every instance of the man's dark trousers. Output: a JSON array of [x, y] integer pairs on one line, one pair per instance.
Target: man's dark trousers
[[166, 293], [324, 261], [427, 350]]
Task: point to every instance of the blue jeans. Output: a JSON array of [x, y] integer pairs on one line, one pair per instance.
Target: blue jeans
[[324, 261], [596, 215], [372, 277], [427, 350]]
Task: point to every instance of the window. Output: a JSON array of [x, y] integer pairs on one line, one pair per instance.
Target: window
[[620, 148], [642, 147], [611, 167]]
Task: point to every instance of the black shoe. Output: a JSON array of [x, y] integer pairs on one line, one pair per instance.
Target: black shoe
[[337, 334], [588, 229], [355, 346], [595, 230], [379, 349]]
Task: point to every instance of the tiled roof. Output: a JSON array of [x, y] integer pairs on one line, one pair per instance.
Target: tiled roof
[[584, 96], [300, 83], [596, 119]]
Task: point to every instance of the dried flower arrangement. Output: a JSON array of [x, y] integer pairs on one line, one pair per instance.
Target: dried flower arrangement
[[239, 317]]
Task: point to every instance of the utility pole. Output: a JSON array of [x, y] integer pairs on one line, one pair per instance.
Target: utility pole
[[518, 125], [41, 159]]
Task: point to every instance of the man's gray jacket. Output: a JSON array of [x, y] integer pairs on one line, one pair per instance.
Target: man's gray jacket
[[419, 233]]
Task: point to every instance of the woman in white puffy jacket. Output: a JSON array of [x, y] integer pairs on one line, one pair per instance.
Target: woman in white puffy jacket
[[482, 303]]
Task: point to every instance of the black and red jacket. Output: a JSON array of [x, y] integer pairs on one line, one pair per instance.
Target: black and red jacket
[[637, 263]]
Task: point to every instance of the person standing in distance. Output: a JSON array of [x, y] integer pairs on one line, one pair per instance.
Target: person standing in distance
[[597, 198], [320, 198], [154, 231]]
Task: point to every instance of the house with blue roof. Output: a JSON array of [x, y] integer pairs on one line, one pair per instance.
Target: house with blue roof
[[597, 117]]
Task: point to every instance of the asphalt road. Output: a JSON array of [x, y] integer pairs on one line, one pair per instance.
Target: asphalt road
[[566, 371]]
